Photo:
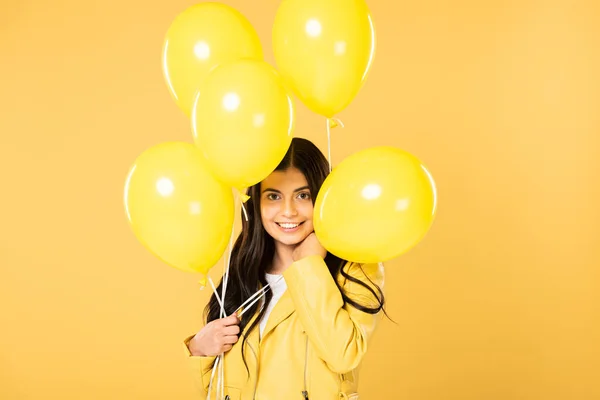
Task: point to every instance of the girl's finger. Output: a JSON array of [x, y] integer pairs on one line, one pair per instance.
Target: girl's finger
[[231, 330], [231, 339], [226, 348]]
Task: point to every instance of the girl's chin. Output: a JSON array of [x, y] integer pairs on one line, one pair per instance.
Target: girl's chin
[[290, 239]]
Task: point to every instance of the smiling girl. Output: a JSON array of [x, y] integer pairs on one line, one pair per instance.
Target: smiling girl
[[309, 334]]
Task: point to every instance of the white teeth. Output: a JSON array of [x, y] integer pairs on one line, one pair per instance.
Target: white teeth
[[288, 226]]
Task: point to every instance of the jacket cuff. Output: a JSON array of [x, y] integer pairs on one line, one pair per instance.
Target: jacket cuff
[[186, 348], [198, 366]]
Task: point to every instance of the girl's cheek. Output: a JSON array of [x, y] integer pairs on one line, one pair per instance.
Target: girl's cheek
[[268, 211]]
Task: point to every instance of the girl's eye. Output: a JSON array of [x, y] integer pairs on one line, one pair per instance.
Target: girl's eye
[[304, 196], [272, 196]]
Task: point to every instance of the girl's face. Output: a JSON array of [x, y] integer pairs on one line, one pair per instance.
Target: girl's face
[[286, 206]]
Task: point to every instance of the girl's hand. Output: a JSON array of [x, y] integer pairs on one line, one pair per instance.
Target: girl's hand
[[216, 337], [309, 247]]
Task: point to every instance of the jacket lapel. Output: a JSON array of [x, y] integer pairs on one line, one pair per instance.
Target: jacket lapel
[[283, 309], [253, 337]]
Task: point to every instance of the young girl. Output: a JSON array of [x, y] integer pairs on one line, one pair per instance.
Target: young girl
[[308, 336]]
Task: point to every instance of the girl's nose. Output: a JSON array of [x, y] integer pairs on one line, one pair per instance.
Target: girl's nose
[[290, 209]]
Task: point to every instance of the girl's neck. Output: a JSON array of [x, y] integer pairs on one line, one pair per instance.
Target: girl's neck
[[282, 259]]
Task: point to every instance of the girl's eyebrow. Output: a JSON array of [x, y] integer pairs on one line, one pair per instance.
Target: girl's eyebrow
[[277, 191]]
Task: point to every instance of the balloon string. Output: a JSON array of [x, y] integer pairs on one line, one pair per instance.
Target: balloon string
[[219, 365], [244, 210], [212, 376], [328, 144], [219, 358], [221, 381], [226, 274], [243, 197], [331, 123], [254, 298], [212, 284]]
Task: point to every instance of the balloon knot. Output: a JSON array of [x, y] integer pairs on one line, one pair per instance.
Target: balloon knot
[[243, 196], [335, 122], [202, 283]]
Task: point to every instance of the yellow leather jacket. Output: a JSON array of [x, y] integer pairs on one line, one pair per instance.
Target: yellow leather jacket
[[312, 345]]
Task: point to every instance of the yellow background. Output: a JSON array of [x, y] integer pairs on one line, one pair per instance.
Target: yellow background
[[500, 99]]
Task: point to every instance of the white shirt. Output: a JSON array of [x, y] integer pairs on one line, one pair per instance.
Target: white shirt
[[277, 288]]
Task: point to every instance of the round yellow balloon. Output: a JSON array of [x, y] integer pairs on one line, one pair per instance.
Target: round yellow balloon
[[242, 121], [324, 50], [177, 209], [201, 37], [376, 205]]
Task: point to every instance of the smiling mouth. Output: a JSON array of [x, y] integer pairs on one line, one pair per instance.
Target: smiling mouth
[[288, 225]]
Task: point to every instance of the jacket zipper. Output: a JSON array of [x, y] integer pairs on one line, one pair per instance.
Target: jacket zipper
[[305, 391]]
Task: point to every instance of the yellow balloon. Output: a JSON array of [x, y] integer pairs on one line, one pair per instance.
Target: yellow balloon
[[177, 209], [242, 121], [201, 37], [324, 50], [376, 205]]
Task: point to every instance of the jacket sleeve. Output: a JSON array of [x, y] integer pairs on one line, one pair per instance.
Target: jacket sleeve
[[200, 368], [338, 332]]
